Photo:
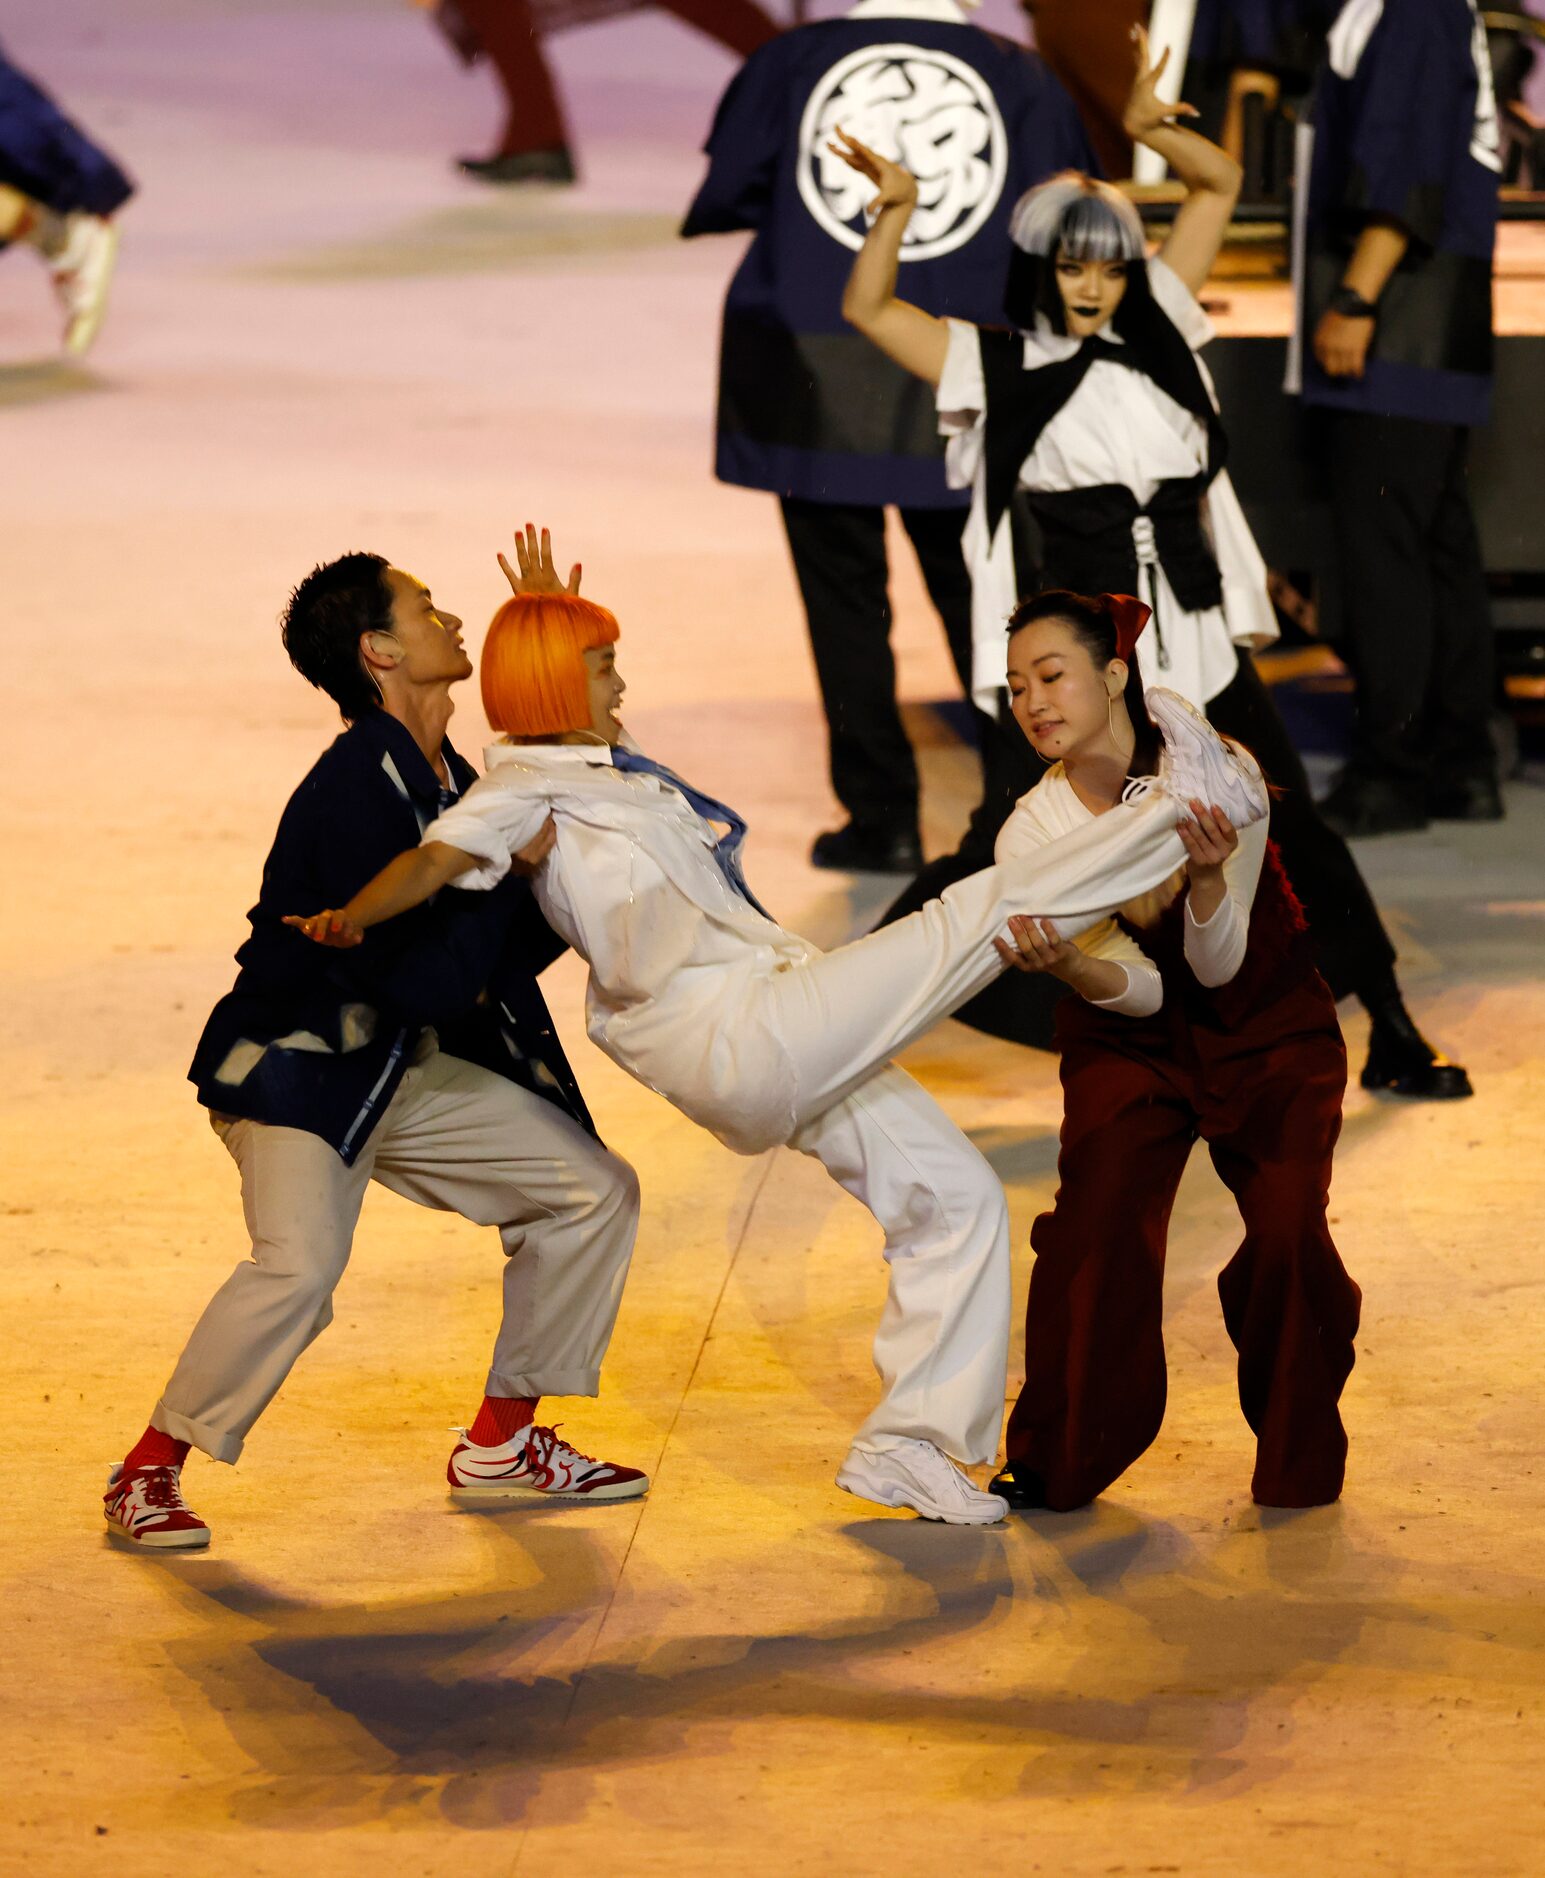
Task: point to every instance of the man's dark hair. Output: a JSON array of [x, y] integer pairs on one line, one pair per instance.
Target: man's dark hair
[[321, 625]]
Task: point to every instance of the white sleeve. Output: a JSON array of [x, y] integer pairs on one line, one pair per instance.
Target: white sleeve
[[1177, 300], [961, 397], [1215, 951], [1028, 828], [499, 814]]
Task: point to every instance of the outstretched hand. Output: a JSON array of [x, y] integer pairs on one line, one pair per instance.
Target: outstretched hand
[[1145, 111], [537, 572], [897, 186], [332, 927]]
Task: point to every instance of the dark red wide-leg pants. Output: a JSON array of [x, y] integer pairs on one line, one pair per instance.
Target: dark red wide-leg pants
[[1270, 1112], [534, 119]]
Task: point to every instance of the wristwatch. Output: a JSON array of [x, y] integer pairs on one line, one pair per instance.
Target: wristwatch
[[1351, 305]]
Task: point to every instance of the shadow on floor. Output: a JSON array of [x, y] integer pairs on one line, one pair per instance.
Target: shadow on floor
[[447, 1704]]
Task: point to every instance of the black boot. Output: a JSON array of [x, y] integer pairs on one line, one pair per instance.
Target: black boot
[[1024, 1491], [524, 166], [855, 850], [1402, 1061]]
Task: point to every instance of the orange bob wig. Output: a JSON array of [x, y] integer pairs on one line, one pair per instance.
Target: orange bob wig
[[533, 671]]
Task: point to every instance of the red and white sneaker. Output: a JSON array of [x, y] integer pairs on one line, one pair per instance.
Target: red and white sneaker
[[536, 1462], [147, 1506]]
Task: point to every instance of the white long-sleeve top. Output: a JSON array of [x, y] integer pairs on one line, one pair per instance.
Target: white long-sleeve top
[[1117, 427], [1214, 949], [633, 886]]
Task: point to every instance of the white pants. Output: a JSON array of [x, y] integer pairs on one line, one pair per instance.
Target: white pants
[[807, 1051], [454, 1137]]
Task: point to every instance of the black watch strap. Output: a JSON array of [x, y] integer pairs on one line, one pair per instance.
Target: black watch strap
[[1351, 305]]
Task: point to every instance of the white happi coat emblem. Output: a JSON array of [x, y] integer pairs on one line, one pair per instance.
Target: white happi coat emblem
[[925, 109]]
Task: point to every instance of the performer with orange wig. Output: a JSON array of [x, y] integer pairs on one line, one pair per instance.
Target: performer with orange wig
[[764, 1040]]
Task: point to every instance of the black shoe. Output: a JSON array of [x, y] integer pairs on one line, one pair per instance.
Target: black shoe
[[855, 850], [1466, 799], [525, 166], [1402, 1061], [1371, 805], [1024, 1491]]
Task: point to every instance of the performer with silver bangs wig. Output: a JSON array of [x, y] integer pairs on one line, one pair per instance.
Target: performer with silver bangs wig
[[1095, 413]]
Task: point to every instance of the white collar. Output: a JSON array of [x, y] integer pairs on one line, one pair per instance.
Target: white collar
[[548, 755], [947, 10]]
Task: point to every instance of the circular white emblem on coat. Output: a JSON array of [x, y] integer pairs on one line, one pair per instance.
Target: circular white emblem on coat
[[922, 108]]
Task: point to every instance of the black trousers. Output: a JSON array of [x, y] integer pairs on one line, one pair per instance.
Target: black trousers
[[1418, 632], [1352, 949], [839, 560]]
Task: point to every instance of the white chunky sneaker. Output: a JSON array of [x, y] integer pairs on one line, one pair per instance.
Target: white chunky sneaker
[[80, 251], [917, 1474], [147, 1506], [535, 1463], [1198, 765]]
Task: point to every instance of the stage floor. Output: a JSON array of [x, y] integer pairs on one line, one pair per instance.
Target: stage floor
[[322, 339]]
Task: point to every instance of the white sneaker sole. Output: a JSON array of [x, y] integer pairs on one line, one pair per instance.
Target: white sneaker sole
[[481, 1494], [158, 1541], [888, 1490]]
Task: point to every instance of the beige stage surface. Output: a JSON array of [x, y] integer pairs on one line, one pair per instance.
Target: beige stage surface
[[322, 339]]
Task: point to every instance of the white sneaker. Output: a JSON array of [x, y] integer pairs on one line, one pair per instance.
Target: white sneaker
[[1197, 764], [80, 251], [917, 1474], [536, 1463]]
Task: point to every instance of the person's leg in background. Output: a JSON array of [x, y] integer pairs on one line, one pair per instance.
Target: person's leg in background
[[738, 25], [1463, 695], [1095, 1382], [69, 190], [1385, 477], [1352, 949], [534, 144], [839, 560]]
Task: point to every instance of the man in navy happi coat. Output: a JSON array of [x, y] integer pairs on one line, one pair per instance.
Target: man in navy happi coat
[[1393, 240]]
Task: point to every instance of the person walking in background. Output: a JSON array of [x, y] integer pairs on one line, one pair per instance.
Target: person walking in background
[[809, 411], [534, 145], [58, 194], [1398, 167]]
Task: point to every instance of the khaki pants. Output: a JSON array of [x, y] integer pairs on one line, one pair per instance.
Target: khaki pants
[[456, 1138]]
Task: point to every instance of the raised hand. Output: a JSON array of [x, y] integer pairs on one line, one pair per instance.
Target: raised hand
[[897, 186], [1145, 111], [537, 572], [332, 927]]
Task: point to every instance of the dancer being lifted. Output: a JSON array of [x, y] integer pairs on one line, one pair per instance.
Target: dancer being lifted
[[1201, 1015], [752, 1032], [1098, 408]]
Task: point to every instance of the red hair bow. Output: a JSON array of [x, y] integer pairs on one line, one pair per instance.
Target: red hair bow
[[1129, 616]]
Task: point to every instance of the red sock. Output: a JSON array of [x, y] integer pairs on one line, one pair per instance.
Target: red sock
[[153, 1449], [501, 1418]]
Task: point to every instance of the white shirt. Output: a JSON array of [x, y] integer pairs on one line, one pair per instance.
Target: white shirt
[[1214, 950], [633, 886], [1117, 427]]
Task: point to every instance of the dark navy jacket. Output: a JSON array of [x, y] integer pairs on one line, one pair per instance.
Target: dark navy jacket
[[807, 406], [50, 159], [1404, 125], [319, 1039]]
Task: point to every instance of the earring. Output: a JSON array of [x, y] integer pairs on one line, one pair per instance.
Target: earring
[[1110, 718]]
